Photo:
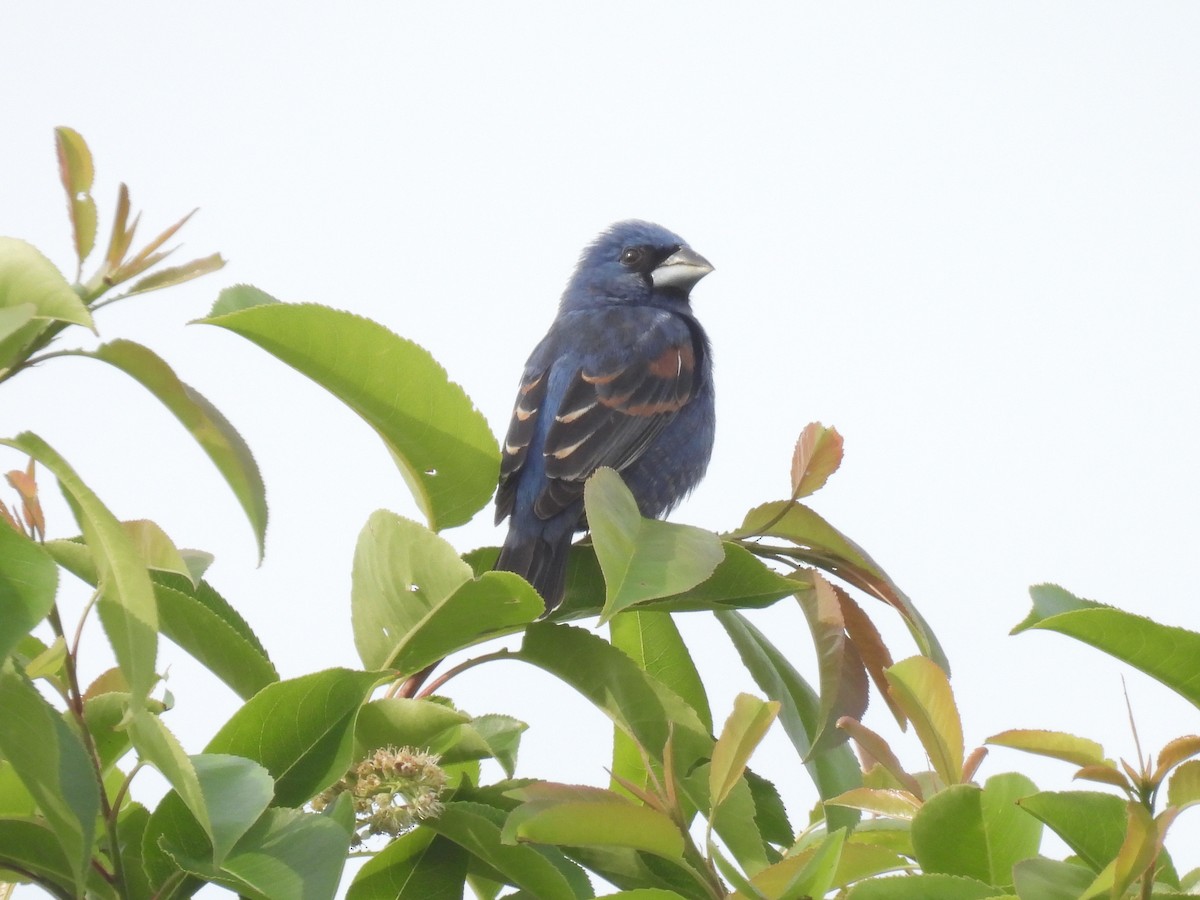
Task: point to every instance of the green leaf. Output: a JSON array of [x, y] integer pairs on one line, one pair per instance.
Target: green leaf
[[12, 320], [1012, 834], [196, 618], [226, 794], [890, 802], [1163, 652], [652, 640], [578, 816], [923, 887], [28, 278], [817, 877], [948, 833], [28, 584], [731, 873], [833, 772], [211, 430], [122, 232], [642, 559], [34, 848], [632, 870], [1055, 744], [171, 825], [821, 545], [201, 622], [236, 792], [636, 702], [157, 550], [476, 828], [158, 747], [420, 865], [174, 275], [499, 737], [641, 706], [442, 444], [75, 169], [402, 571], [413, 599], [744, 729], [287, 855], [300, 730], [53, 764], [741, 580], [923, 692], [401, 722], [1174, 752], [238, 297], [131, 832], [15, 799], [104, 715], [1183, 788], [1092, 824], [735, 820], [854, 862], [770, 815], [1049, 879], [126, 606]]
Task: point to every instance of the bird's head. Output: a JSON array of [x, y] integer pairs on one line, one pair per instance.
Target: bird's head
[[636, 263]]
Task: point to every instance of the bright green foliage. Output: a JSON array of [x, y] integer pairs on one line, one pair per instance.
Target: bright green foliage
[[28, 583], [642, 559], [439, 440], [477, 829], [979, 833], [744, 729], [414, 600], [1162, 652], [33, 294], [925, 887], [923, 692], [301, 730], [574, 816], [126, 604], [286, 855], [52, 764], [277, 799], [421, 865]]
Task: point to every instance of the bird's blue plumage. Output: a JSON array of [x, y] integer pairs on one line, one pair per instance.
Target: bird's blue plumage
[[623, 379]]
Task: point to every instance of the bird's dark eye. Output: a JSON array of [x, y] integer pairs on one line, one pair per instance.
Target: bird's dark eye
[[631, 256]]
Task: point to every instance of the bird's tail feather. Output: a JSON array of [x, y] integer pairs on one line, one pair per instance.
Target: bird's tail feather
[[541, 562]]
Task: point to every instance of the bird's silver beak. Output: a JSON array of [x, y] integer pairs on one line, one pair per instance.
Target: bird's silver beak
[[682, 269]]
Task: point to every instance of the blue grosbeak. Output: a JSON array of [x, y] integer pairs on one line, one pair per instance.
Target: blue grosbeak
[[623, 379]]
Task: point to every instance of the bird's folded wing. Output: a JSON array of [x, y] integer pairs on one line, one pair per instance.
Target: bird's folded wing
[[610, 413]]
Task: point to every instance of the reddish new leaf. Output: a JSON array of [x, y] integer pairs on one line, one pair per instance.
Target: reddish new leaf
[[871, 649], [876, 748], [25, 484], [842, 675], [817, 455]]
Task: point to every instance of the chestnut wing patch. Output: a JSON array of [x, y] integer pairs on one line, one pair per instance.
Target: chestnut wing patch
[[608, 416]]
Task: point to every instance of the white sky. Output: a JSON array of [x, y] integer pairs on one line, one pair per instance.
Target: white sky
[[968, 235]]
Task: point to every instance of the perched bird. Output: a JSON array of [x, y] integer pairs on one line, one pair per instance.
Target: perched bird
[[623, 379]]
